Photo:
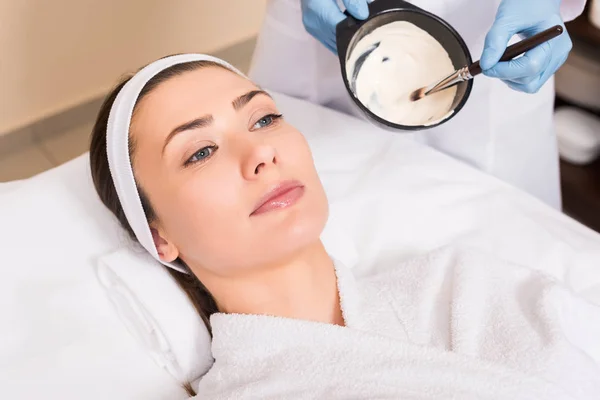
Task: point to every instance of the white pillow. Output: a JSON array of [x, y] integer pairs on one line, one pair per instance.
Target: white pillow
[[157, 312], [60, 339]]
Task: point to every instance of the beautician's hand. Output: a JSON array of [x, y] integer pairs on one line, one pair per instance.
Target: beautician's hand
[[320, 18], [525, 17]]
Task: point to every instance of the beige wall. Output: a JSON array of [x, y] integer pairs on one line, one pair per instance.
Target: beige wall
[[55, 54]]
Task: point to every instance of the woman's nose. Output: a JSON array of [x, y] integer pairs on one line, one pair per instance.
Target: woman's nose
[[261, 158]]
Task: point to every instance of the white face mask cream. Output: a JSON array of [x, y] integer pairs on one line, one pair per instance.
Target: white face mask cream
[[406, 59]]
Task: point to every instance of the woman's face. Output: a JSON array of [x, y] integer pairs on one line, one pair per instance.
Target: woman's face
[[233, 185]]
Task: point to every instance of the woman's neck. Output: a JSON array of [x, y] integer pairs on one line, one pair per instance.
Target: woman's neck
[[304, 287]]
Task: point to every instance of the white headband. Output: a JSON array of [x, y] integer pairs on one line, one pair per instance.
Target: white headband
[[117, 146]]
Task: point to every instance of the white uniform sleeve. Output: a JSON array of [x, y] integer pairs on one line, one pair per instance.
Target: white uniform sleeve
[[288, 60], [571, 9], [285, 56]]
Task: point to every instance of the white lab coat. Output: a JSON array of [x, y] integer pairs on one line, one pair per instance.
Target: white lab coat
[[500, 131]]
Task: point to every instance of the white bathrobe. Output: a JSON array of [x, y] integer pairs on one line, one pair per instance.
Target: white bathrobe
[[449, 325]]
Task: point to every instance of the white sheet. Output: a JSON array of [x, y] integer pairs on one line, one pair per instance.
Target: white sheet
[[61, 339]]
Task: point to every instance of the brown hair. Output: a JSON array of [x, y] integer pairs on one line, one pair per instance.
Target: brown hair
[[200, 297]]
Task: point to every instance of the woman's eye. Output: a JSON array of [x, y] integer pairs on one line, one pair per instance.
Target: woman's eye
[[267, 120], [201, 155]]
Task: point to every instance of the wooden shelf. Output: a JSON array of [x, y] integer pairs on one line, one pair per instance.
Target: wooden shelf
[[581, 192], [583, 29], [580, 186]]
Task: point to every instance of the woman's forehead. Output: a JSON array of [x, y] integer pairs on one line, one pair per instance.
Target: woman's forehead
[[202, 89], [207, 82]]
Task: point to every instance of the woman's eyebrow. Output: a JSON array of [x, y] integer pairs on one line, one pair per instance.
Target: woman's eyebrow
[[206, 120], [193, 124], [244, 99]]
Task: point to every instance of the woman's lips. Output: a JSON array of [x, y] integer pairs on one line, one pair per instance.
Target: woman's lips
[[284, 195]]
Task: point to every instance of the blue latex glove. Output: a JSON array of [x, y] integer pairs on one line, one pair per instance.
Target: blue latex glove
[[320, 18], [525, 17]]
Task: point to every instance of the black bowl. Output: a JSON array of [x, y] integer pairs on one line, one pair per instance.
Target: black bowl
[[382, 12]]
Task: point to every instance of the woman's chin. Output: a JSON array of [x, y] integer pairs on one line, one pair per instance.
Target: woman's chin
[[292, 235]]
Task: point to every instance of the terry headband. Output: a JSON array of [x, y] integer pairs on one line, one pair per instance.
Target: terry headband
[[117, 146]]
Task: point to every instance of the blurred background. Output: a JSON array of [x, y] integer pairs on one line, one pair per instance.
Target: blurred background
[[577, 119], [59, 59]]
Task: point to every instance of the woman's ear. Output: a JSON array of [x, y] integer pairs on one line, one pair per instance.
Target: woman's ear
[[166, 249]]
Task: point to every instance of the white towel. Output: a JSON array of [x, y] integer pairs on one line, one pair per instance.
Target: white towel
[[156, 312], [450, 325]]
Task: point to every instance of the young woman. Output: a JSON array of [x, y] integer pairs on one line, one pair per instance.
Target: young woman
[[199, 165]]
